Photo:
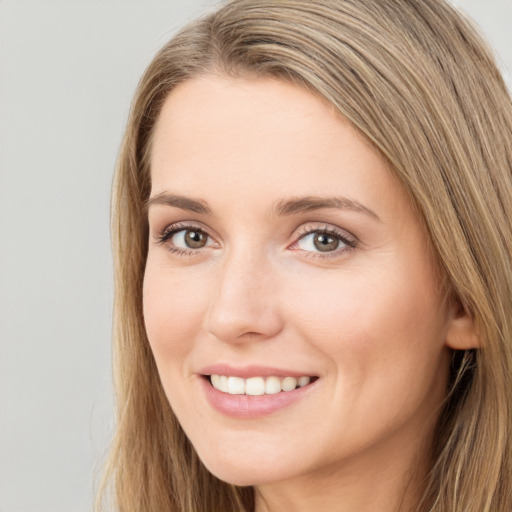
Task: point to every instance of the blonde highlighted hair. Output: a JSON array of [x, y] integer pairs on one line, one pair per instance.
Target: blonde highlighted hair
[[417, 80]]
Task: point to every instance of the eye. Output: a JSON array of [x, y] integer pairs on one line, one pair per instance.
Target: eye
[[184, 239], [189, 239], [323, 242]]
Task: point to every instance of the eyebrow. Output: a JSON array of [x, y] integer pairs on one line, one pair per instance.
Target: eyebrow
[[311, 203], [181, 202], [281, 208]]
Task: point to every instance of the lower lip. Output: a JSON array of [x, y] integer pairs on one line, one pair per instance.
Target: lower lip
[[249, 406]]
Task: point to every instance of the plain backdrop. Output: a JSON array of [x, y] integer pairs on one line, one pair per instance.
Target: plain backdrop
[[68, 69]]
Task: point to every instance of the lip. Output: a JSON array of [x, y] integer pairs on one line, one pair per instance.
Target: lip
[[248, 406]]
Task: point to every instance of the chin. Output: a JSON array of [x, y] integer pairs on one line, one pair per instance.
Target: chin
[[250, 472]]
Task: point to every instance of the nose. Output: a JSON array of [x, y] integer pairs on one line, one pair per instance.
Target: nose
[[245, 305]]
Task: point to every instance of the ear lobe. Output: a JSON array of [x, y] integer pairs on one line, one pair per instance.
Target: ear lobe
[[462, 333]]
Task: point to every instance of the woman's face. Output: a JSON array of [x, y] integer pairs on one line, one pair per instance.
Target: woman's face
[[282, 247]]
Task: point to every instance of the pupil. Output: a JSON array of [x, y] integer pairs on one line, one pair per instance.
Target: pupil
[[195, 239], [325, 242]]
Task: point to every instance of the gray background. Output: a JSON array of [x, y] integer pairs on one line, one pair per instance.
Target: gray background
[[68, 70]]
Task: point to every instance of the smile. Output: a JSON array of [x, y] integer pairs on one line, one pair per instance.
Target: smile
[[255, 396], [257, 386]]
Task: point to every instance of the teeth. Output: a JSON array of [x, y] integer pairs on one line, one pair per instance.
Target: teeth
[[304, 381], [215, 380], [288, 383], [236, 386], [272, 385], [257, 385], [220, 382], [223, 383]]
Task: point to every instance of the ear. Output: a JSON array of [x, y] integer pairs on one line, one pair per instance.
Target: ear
[[462, 333]]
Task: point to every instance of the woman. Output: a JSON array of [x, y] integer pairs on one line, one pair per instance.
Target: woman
[[313, 265]]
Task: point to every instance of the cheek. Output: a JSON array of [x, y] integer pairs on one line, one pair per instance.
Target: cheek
[[384, 342], [174, 307], [371, 321], [349, 304]]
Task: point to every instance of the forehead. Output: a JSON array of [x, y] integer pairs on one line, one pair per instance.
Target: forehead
[[262, 137], [220, 112]]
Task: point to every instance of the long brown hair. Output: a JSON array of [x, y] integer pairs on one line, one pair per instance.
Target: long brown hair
[[417, 80]]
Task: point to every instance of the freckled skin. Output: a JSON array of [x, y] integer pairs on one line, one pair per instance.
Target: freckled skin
[[370, 321]]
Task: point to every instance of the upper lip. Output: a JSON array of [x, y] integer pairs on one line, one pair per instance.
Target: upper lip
[[246, 372]]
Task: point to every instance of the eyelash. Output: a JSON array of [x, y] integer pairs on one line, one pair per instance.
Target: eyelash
[[164, 237], [348, 240], [345, 238]]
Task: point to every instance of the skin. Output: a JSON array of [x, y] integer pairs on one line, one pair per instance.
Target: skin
[[371, 321]]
